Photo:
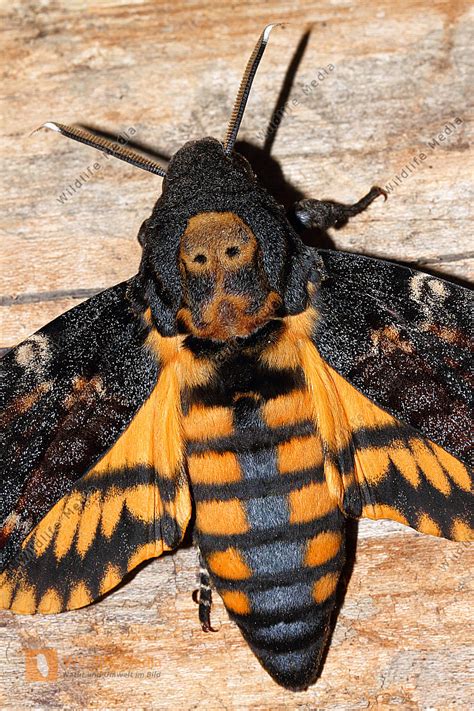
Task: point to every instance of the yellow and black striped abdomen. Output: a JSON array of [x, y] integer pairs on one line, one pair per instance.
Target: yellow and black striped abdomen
[[269, 530]]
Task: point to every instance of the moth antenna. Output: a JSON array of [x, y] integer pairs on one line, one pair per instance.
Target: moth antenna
[[244, 88], [103, 144]]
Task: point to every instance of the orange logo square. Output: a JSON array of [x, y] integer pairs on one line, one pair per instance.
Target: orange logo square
[[41, 664]]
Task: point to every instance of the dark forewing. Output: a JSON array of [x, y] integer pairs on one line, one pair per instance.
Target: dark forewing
[[404, 339], [67, 394]]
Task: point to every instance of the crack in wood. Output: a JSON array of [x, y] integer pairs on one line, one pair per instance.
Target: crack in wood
[[39, 296], [445, 258]]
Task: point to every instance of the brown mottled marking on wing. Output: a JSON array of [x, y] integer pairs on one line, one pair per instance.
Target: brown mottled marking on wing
[[83, 389], [23, 403]]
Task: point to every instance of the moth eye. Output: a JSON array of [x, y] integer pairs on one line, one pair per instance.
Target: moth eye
[[200, 258], [232, 251]]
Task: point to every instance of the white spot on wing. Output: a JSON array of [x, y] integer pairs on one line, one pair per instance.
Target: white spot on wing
[[429, 293], [439, 289], [416, 286], [34, 354]]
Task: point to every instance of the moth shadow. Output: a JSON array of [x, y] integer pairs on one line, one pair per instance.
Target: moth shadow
[[270, 175]]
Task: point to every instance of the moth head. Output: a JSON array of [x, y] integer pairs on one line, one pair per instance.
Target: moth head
[[220, 258]]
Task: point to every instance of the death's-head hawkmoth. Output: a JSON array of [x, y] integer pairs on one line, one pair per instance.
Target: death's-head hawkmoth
[[274, 389]]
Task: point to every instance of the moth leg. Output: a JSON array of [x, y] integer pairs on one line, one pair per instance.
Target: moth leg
[[203, 597], [323, 214]]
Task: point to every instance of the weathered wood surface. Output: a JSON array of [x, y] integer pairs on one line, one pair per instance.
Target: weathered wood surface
[[402, 72]]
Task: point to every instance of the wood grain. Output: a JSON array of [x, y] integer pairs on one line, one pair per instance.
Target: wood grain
[[401, 72]]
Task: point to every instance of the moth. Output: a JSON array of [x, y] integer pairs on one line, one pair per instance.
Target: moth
[[246, 385]]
